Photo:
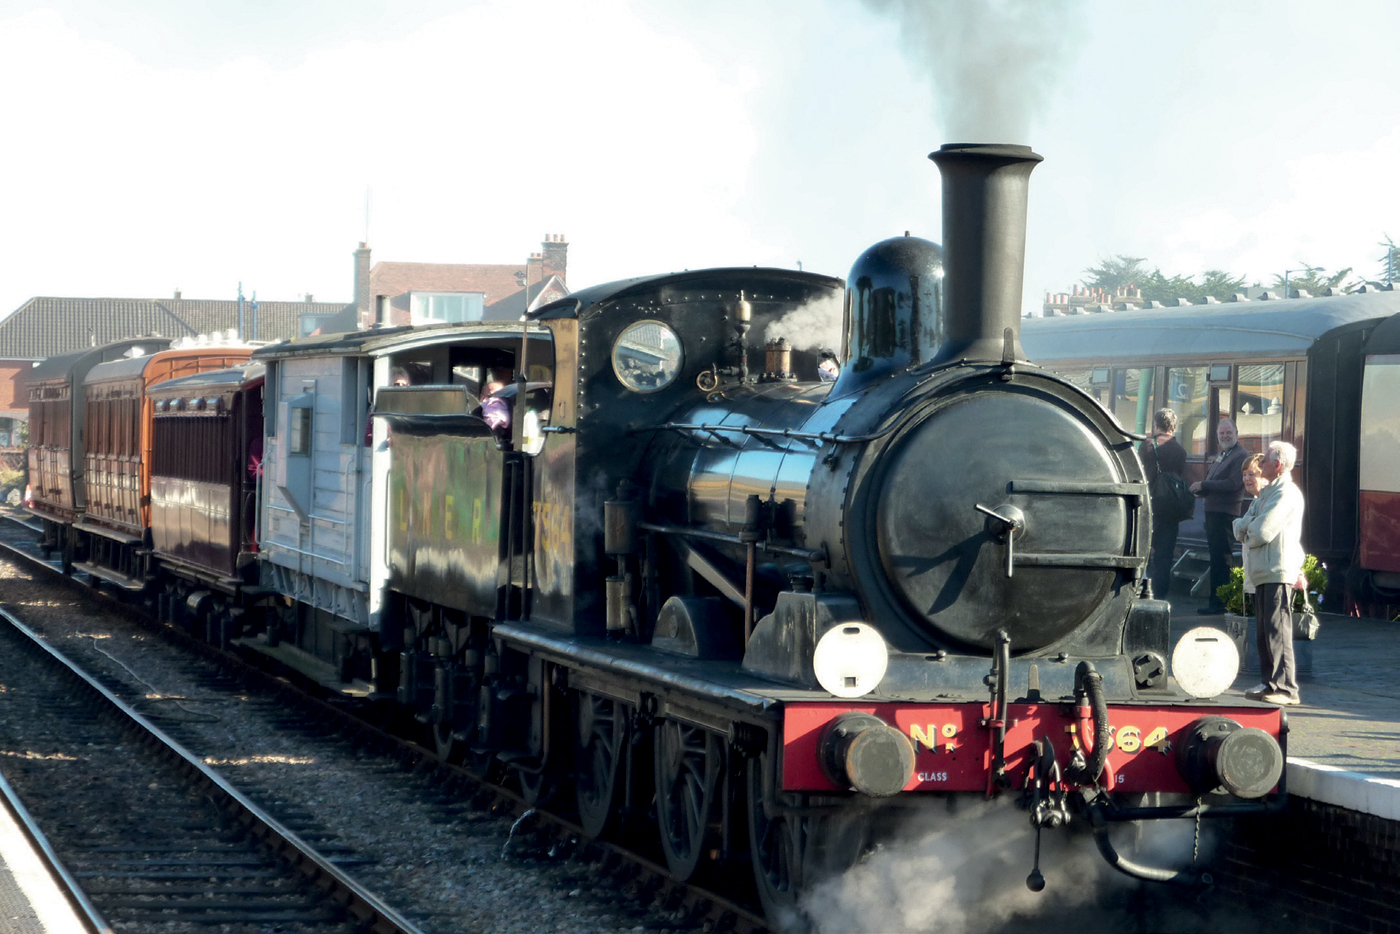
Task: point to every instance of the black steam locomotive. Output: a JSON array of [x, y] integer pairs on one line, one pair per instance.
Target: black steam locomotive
[[698, 586]]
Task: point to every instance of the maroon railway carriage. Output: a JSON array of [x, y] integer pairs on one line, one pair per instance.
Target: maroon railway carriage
[[207, 432], [57, 421], [112, 539]]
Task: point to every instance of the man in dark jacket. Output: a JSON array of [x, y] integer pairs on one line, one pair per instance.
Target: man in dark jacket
[[1223, 492], [1162, 453]]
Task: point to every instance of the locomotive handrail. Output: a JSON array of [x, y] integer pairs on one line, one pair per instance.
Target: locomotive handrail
[[1022, 559], [806, 554], [1078, 486], [767, 432]]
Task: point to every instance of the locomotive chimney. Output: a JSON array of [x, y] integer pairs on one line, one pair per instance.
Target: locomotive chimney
[[984, 249]]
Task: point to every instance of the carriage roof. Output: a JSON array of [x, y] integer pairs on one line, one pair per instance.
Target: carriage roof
[[65, 366], [1279, 327], [213, 381]]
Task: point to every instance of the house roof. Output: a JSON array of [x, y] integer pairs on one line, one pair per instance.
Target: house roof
[[47, 326], [498, 281], [276, 320]]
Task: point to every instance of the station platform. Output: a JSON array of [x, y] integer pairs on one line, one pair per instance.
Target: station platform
[[1344, 739], [31, 902]]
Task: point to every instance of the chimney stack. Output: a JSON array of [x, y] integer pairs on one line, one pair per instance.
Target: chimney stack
[[555, 257], [362, 288], [984, 249]]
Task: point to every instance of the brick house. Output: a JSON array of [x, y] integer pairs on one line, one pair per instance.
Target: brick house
[[45, 326], [427, 293]]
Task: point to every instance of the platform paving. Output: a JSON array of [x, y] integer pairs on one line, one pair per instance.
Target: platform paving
[[1350, 715]]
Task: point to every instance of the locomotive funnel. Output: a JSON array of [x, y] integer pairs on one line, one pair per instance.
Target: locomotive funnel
[[984, 249]]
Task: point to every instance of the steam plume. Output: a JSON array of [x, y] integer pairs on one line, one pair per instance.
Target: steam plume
[[964, 872], [993, 63], [814, 326]]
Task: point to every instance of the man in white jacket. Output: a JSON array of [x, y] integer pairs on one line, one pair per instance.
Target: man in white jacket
[[1272, 533]]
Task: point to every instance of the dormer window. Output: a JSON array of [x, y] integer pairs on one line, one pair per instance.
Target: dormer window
[[446, 307]]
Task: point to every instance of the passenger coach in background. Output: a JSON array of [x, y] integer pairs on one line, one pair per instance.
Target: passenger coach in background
[[1377, 579], [98, 514], [1283, 370], [57, 418], [206, 462]]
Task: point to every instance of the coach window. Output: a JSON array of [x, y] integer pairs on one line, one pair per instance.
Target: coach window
[[1084, 379], [1132, 397], [1188, 394], [1259, 404], [1295, 391]]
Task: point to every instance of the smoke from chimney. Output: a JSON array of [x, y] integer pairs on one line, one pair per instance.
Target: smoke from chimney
[[994, 64]]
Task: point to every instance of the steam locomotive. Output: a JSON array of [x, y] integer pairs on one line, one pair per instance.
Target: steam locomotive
[[696, 587]]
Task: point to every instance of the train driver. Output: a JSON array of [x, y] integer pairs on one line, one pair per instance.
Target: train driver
[[495, 411]]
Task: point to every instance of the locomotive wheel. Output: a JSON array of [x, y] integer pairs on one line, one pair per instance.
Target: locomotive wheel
[[791, 851], [537, 788], [776, 843], [689, 763], [447, 747], [602, 738]]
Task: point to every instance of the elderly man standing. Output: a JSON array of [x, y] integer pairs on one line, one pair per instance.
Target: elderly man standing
[[1223, 491], [1272, 533]]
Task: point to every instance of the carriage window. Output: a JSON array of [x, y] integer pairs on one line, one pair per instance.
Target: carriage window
[[1259, 404], [1188, 394], [1297, 407], [1132, 398], [647, 356], [1082, 379]]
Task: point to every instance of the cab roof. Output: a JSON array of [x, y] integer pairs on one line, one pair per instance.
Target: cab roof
[[573, 305]]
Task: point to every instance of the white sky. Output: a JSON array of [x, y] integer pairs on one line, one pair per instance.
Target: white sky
[[156, 144]]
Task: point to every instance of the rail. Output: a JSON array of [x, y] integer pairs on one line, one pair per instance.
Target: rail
[[88, 915], [369, 912]]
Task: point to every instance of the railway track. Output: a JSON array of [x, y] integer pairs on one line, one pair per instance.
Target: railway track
[[151, 834], [629, 885]]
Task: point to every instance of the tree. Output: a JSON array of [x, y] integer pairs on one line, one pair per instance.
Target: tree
[[1315, 280], [1219, 283], [1156, 286], [1389, 262], [1115, 271]]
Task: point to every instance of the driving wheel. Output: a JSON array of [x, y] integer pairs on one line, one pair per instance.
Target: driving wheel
[[689, 764], [602, 735]]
